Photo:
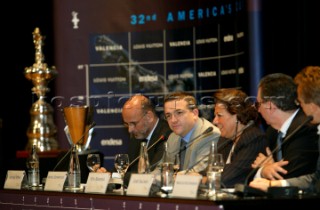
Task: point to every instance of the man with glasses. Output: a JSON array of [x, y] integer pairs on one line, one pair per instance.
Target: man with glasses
[[143, 124], [189, 137], [276, 102], [308, 81]]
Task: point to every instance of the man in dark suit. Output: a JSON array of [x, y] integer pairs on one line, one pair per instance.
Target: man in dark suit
[[277, 99], [299, 152], [143, 123]]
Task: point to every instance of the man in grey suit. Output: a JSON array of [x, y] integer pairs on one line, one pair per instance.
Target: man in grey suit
[[308, 81], [182, 114]]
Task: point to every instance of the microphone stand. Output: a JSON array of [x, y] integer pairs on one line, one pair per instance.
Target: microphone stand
[[244, 188], [162, 138], [69, 150], [251, 122], [204, 134]]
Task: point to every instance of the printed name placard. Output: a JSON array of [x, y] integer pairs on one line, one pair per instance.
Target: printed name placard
[[14, 179], [140, 184], [55, 180], [186, 186], [97, 182]]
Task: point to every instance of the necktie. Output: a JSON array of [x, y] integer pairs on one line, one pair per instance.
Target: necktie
[[279, 142], [182, 152]]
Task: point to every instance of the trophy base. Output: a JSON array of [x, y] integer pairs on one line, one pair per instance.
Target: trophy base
[[74, 189], [38, 187], [47, 144], [42, 130]]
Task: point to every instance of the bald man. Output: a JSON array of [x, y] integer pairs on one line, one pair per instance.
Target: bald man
[[143, 123]]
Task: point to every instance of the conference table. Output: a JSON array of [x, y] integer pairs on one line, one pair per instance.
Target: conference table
[[114, 199], [39, 199]]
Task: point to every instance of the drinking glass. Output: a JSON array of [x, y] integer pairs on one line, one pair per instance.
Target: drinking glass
[[93, 162], [214, 175], [217, 163], [121, 163]]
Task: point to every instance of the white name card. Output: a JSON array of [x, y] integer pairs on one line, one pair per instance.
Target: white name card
[[186, 186], [55, 181], [97, 182], [140, 184], [14, 179]]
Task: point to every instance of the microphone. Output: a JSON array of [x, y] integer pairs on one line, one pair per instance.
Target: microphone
[[79, 141], [161, 138], [244, 189], [251, 122], [238, 133], [206, 132]]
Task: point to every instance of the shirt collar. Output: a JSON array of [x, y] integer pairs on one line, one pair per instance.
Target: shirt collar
[[150, 134], [287, 123], [187, 137]]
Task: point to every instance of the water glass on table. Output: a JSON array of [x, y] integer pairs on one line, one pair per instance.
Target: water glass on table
[[214, 175], [93, 162], [121, 163]]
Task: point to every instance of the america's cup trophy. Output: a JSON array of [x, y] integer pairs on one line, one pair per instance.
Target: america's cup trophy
[[42, 130]]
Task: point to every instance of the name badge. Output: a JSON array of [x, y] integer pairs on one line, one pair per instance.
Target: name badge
[[55, 180], [186, 186], [97, 182], [14, 179], [140, 184]]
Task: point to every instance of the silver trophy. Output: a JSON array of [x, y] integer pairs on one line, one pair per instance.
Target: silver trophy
[[42, 130], [79, 128]]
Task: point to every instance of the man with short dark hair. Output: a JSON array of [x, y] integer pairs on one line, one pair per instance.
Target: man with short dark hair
[[277, 94], [308, 82], [182, 114]]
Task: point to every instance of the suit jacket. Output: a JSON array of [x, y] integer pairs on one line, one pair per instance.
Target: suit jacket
[[251, 142], [308, 182], [300, 150], [197, 148], [155, 153]]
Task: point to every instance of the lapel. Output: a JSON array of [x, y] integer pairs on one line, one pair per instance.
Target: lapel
[[193, 142], [162, 128], [296, 121]]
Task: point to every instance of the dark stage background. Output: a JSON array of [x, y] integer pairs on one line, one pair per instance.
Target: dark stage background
[[289, 41]]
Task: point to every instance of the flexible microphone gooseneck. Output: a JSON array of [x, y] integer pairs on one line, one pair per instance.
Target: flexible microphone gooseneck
[[244, 188], [161, 138], [251, 122], [206, 132], [77, 142]]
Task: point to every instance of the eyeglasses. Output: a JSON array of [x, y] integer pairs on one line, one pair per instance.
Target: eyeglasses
[[177, 114], [257, 104], [134, 124]]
